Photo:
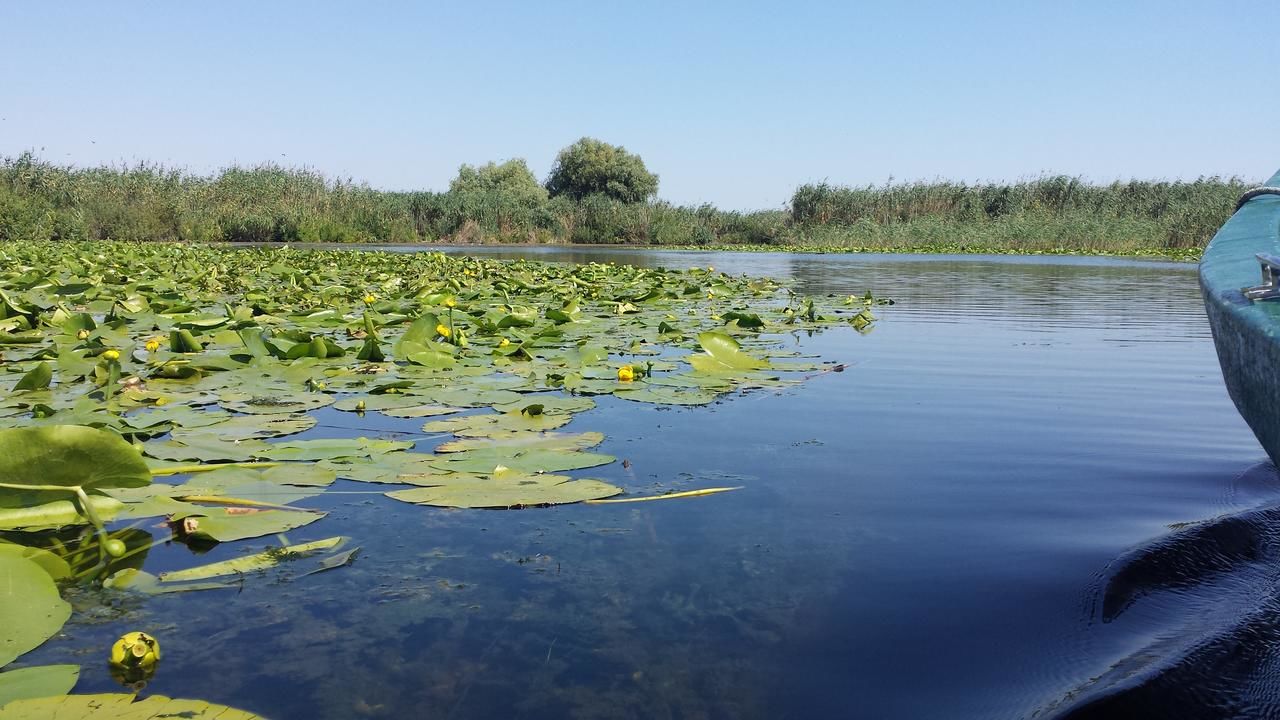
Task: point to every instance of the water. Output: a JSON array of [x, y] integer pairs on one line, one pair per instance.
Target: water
[[941, 531]]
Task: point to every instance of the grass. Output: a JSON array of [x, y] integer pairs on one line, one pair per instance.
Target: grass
[[40, 201]]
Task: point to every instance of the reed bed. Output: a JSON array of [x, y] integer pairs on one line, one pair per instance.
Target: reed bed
[[270, 203]]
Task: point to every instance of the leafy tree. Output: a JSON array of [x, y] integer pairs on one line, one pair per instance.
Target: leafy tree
[[591, 167], [512, 178]]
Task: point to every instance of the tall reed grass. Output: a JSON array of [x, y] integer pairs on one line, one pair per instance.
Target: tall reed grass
[[269, 203]]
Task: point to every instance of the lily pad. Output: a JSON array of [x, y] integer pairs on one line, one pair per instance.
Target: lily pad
[[138, 581], [207, 449], [119, 706], [526, 460], [509, 490], [490, 424], [252, 563], [55, 566], [264, 405], [37, 682], [69, 456], [527, 440], [30, 605], [230, 524], [722, 353], [250, 427], [331, 448]]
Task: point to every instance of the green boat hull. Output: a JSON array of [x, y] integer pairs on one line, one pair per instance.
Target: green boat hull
[[1246, 332]]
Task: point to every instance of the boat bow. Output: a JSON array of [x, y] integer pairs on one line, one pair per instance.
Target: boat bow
[[1244, 315]]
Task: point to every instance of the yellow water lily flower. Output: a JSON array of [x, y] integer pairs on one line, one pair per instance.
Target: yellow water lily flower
[[111, 355], [369, 299], [443, 331], [504, 342], [152, 345], [626, 373], [82, 335], [135, 650], [450, 303]]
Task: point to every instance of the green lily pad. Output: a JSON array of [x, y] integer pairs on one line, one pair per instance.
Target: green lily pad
[[491, 424], [37, 682], [545, 404], [508, 490], [264, 405], [722, 353], [250, 427], [37, 379], [119, 706], [474, 398], [526, 460], [138, 581], [69, 456], [527, 440], [252, 563], [331, 448], [55, 566], [230, 524], [30, 605], [666, 395], [206, 449]]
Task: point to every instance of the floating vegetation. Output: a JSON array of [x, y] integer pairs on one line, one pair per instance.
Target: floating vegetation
[[167, 383], [119, 707]]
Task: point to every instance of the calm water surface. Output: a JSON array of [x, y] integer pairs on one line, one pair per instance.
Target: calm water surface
[[934, 533]]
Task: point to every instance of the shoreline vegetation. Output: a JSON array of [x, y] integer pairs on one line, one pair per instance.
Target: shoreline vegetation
[[608, 202]]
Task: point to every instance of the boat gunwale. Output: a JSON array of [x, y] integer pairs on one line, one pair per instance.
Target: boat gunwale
[[1246, 333]]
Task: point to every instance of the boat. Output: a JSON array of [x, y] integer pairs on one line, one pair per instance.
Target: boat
[[1244, 309]]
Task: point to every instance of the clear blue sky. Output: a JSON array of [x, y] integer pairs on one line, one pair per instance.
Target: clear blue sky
[[733, 103]]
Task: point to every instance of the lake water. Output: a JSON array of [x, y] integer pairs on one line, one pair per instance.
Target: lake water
[[936, 532]]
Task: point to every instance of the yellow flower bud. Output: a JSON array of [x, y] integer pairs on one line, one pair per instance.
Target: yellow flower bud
[[111, 355], [82, 335], [135, 650], [626, 373], [369, 299], [504, 342], [450, 303], [152, 345], [443, 331]]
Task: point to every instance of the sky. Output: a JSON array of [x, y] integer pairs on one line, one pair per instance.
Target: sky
[[733, 103]]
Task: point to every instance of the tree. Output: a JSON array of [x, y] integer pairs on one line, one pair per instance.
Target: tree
[[512, 177], [592, 167]]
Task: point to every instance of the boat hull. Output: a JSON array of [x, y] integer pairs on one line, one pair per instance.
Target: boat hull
[[1246, 332]]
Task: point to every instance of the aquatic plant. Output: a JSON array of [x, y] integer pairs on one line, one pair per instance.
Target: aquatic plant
[[106, 423]]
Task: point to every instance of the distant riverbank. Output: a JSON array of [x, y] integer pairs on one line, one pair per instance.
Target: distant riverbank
[[1048, 215]]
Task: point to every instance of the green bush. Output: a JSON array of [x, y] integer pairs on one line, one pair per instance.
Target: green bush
[[512, 179], [591, 167]]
